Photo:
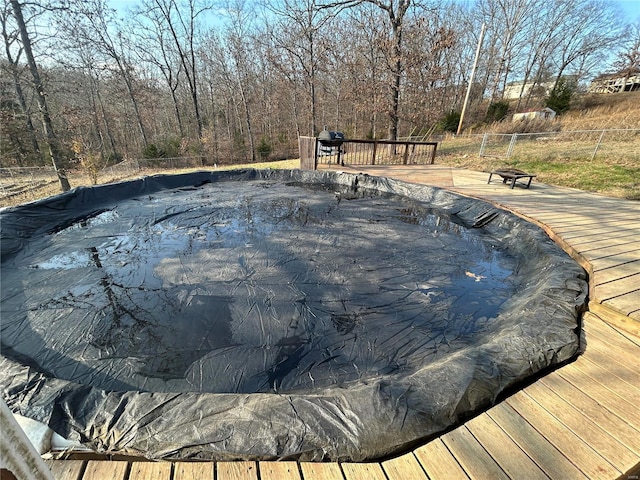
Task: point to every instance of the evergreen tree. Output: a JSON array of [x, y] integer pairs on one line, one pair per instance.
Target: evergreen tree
[[559, 98]]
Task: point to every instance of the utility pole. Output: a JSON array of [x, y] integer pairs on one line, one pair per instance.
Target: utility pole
[[473, 72]]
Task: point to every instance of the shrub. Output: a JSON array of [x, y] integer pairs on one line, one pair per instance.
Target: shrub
[[560, 97], [450, 122], [497, 112], [152, 151], [166, 148], [264, 148]]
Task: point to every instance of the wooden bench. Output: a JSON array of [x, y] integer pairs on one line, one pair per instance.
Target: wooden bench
[[512, 174]]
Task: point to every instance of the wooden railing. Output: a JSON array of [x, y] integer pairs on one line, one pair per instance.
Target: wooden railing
[[366, 152]]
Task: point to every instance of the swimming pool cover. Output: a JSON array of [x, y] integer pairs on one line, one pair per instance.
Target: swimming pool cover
[[274, 314]]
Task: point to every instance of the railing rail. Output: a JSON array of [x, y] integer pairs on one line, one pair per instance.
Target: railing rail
[[366, 152]]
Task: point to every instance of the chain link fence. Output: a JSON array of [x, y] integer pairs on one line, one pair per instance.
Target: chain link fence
[[17, 180], [589, 144], [621, 144]]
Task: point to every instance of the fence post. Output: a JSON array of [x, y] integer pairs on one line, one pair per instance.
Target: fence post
[[597, 146], [375, 147], [484, 141], [512, 144]]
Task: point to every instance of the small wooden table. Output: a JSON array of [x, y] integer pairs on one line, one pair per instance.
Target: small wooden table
[[512, 174]]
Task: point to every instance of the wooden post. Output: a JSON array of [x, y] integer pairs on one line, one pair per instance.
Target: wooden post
[[373, 158], [315, 153], [405, 158], [308, 147]]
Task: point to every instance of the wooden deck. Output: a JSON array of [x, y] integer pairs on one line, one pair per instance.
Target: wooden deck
[[580, 421]]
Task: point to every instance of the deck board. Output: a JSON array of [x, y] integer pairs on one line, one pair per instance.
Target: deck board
[[363, 471], [236, 471], [438, 462], [534, 444], [66, 470], [194, 471], [603, 396], [471, 455], [607, 363], [617, 427], [99, 470], [401, 468], [611, 381], [146, 470], [279, 471], [579, 421], [321, 471], [503, 450], [580, 453], [607, 446]]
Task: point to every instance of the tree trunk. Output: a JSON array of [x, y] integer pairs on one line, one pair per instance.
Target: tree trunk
[[395, 92], [20, 94], [247, 119], [107, 126], [29, 124], [176, 111], [132, 97], [394, 117], [50, 137]]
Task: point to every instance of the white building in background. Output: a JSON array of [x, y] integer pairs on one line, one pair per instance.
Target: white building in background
[[514, 90], [545, 113], [616, 82]]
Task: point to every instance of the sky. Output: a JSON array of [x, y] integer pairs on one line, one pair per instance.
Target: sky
[[631, 8]]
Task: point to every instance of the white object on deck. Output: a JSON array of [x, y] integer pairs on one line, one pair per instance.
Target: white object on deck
[[17, 454]]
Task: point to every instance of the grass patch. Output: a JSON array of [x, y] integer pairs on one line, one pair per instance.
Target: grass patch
[[609, 177], [564, 160]]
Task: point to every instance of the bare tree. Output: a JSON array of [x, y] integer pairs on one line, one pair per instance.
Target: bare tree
[[628, 59], [86, 63], [10, 38], [50, 137], [395, 13], [590, 27], [510, 22], [182, 25], [296, 36], [89, 22], [156, 46], [239, 53], [362, 62], [543, 36]]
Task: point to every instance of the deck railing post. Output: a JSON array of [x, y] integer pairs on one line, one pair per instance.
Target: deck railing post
[[405, 158], [375, 147], [433, 153]]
